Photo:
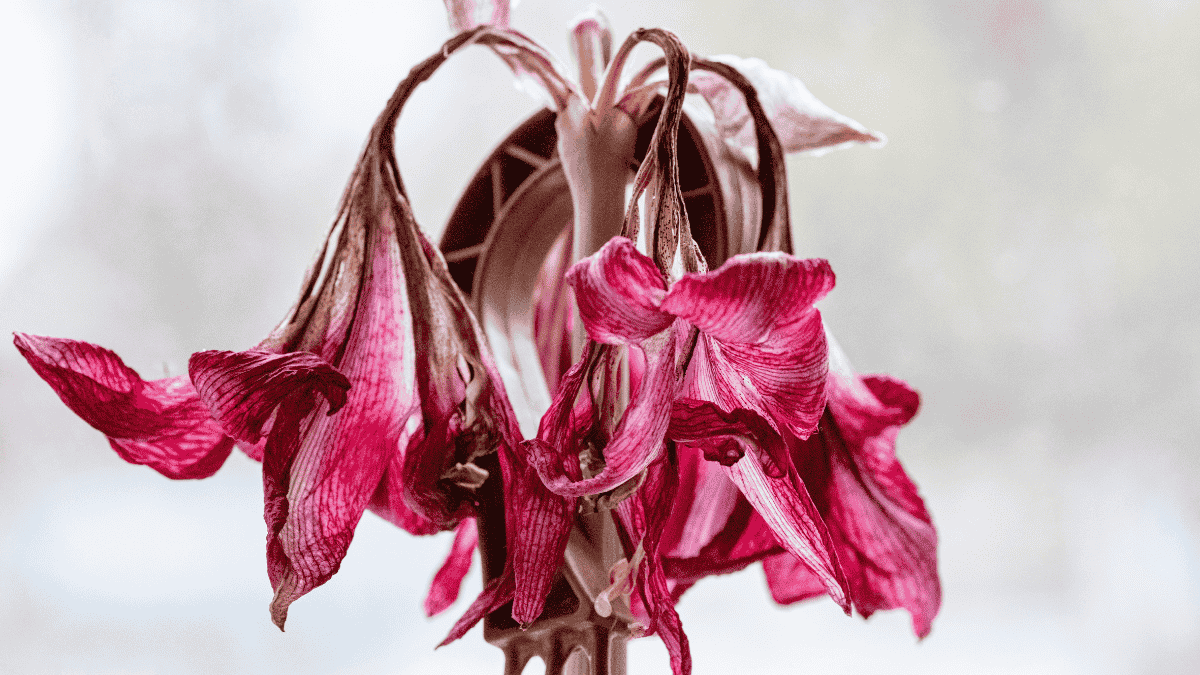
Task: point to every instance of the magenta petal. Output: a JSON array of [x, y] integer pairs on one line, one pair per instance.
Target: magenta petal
[[448, 580], [161, 423], [751, 297], [790, 580], [243, 389], [795, 521], [618, 291], [883, 533]]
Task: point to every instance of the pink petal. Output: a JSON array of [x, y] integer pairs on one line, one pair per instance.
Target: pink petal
[[705, 500], [789, 511], [744, 539], [643, 517], [618, 291], [750, 297], [790, 580], [443, 591], [725, 437], [882, 531], [801, 121], [591, 42], [161, 423]]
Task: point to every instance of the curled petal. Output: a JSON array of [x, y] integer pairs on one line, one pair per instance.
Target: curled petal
[[636, 442], [161, 423], [591, 42], [448, 580], [762, 345], [789, 511], [802, 122], [243, 389], [618, 291]]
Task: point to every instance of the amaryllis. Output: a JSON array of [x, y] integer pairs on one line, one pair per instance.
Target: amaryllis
[[699, 416]]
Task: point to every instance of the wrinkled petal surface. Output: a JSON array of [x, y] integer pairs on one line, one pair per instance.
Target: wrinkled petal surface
[[161, 423], [883, 534], [618, 292], [794, 519], [467, 14], [762, 344]]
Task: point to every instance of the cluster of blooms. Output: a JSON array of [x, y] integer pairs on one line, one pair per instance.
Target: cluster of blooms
[[709, 410]]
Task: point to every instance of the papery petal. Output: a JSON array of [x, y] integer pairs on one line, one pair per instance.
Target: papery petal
[[443, 591], [882, 531], [161, 423], [538, 525], [618, 292], [704, 503], [243, 389], [789, 511], [762, 345], [467, 14], [591, 43], [799, 118], [745, 539]]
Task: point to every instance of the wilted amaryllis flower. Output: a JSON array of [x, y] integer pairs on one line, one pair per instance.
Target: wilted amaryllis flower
[[377, 390]]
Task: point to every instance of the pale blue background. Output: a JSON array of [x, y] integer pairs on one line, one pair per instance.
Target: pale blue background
[[1023, 251]]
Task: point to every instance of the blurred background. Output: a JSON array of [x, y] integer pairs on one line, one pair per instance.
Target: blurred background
[[1023, 251]]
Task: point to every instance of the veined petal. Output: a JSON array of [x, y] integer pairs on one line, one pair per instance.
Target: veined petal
[[243, 389], [883, 533], [751, 296], [618, 292], [790, 580], [725, 437], [443, 591], [802, 122], [789, 511], [762, 345], [161, 423]]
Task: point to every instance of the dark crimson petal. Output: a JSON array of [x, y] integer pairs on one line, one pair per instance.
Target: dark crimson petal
[[751, 296], [443, 591], [882, 531], [538, 525], [789, 511], [161, 423], [243, 389], [497, 592], [618, 291]]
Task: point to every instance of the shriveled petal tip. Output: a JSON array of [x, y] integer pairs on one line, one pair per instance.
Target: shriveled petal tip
[[750, 296], [618, 292], [161, 424], [802, 122], [243, 389]]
